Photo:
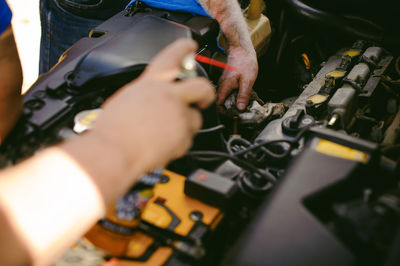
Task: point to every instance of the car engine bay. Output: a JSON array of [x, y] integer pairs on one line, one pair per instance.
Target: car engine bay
[[308, 174]]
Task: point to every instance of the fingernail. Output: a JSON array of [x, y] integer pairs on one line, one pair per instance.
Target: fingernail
[[241, 106]]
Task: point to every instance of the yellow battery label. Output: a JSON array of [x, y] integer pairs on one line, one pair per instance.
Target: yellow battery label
[[340, 151]]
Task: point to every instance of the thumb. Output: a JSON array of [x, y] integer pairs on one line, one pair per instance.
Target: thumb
[[167, 64]]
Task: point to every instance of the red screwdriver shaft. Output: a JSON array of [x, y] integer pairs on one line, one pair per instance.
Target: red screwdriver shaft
[[216, 63]]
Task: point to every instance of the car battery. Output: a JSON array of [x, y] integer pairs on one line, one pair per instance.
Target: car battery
[[154, 220]]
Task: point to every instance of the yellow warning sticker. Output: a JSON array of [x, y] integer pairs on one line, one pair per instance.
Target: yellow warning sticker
[[340, 151]]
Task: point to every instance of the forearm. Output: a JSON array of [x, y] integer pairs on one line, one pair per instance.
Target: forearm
[[241, 53], [11, 81], [53, 199], [50, 200], [229, 15], [106, 163]]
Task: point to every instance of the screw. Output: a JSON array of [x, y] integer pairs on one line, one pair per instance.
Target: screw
[[196, 216]]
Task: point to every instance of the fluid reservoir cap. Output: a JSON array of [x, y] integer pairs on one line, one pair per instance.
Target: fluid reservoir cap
[[85, 120], [337, 74], [352, 53], [292, 125], [317, 99]]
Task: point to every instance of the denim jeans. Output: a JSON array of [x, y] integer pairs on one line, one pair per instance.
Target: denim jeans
[[66, 21]]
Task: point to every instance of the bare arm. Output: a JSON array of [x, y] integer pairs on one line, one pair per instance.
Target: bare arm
[[49, 201], [241, 51], [10, 85]]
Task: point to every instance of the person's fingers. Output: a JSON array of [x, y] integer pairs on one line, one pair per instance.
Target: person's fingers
[[183, 147], [242, 99], [167, 64], [197, 91], [195, 120], [193, 124], [227, 84]]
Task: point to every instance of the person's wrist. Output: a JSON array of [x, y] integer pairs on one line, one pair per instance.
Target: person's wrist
[[131, 156], [111, 149], [246, 47], [106, 164]]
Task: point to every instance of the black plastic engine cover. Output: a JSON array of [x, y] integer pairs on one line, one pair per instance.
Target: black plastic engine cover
[[290, 228], [115, 53]]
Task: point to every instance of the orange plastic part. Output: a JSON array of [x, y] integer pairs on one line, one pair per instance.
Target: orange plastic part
[[172, 193], [173, 197], [132, 246], [306, 61]]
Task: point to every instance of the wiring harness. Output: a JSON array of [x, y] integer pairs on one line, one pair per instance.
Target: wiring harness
[[256, 179]]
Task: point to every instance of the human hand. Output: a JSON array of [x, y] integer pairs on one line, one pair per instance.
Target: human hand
[[152, 120], [245, 60]]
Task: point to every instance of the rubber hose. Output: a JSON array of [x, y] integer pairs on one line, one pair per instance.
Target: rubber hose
[[333, 21]]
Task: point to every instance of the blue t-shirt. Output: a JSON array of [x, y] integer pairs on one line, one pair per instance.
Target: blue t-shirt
[[5, 16], [190, 6]]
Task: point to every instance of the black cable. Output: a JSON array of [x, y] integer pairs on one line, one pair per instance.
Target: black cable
[[255, 189], [251, 194], [248, 186], [247, 144], [341, 23], [244, 191], [233, 139], [264, 143], [245, 184], [211, 129], [207, 159], [261, 146], [292, 142], [268, 176]]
